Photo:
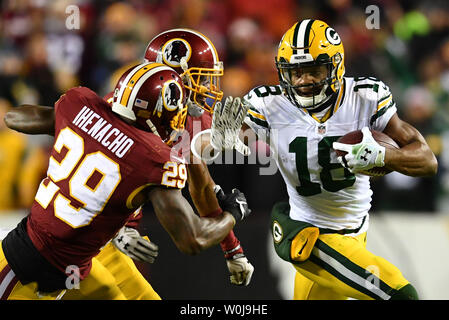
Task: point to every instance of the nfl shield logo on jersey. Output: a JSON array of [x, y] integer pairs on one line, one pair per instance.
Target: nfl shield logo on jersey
[[321, 129]]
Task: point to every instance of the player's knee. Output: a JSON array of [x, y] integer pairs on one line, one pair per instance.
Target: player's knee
[[407, 292]]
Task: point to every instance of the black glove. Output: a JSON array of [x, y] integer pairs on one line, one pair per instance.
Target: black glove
[[235, 203]]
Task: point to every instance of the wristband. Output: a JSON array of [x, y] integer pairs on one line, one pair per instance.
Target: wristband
[[230, 245]]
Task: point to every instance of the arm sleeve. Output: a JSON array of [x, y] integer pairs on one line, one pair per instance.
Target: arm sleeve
[[385, 108], [255, 117]]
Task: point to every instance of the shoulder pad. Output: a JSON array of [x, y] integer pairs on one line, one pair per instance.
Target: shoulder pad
[[371, 89], [260, 96]]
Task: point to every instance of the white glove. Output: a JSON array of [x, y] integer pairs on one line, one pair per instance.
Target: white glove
[[130, 242], [241, 270], [226, 124], [362, 156]]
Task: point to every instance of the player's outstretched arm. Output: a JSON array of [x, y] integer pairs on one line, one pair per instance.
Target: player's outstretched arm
[[31, 119], [202, 190], [414, 158], [191, 233]]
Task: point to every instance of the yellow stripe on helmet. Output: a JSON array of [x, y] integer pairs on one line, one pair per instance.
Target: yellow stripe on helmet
[[133, 80]]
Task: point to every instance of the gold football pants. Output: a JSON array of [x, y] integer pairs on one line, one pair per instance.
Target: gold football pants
[[99, 284], [125, 277], [340, 267]]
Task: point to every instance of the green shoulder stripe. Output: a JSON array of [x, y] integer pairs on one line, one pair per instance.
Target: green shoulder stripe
[[384, 98], [258, 121], [381, 112]]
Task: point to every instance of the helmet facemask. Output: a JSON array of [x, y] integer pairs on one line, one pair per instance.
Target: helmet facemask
[[310, 95], [177, 124], [204, 86]]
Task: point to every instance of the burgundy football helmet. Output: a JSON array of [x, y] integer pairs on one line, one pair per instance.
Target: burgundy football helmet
[[152, 97], [195, 58]]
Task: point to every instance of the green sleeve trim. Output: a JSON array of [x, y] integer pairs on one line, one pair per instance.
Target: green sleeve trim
[[380, 113]]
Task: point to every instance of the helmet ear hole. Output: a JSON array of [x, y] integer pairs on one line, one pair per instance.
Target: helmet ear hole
[[337, 58]]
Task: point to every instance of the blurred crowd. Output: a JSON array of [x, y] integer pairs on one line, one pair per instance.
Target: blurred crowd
[[41, 56]]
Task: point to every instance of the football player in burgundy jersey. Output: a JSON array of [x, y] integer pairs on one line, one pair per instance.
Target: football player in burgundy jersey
[[104, 165], [195, 58]]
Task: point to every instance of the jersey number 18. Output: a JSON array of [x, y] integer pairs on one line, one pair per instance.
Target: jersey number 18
[[309, 188]]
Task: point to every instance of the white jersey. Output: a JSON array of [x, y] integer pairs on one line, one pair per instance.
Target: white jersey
[[321, 191], [3, 233]]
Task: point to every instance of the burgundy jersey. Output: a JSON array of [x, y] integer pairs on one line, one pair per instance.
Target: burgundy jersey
[[193, 126], [196, 124], [97, 165]]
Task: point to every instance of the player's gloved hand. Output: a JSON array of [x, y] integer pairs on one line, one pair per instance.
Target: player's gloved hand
[[227, 121], [362, 156], [235, 203], [130, 242], [240, 268]]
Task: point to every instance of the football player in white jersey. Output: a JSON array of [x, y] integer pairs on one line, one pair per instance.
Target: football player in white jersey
[[322, 229]]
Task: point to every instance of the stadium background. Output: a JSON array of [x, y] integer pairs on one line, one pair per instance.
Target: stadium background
[[40, 58]]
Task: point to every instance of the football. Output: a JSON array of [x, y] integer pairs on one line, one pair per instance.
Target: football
[[384, 140]]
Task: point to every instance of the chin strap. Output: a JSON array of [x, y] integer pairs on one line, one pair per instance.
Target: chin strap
[[307, 102], [183, 63], [152, 127]]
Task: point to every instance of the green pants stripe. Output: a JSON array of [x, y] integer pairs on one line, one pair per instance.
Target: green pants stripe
[[350, 273]]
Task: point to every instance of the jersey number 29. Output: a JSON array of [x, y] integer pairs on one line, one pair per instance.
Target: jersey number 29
[[82, 169]]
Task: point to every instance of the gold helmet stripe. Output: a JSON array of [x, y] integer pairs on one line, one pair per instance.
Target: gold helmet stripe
[[142, 79], [131, 81], [130, 74]]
